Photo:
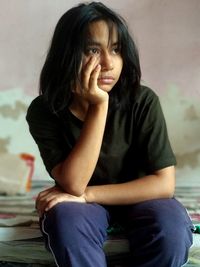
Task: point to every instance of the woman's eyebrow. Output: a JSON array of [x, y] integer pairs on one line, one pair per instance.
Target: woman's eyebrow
[[95, 43], [91, 43]]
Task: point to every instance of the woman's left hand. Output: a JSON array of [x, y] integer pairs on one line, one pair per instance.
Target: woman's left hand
[[52, 196]]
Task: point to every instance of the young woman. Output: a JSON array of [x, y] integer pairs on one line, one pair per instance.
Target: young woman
[[103, 139]]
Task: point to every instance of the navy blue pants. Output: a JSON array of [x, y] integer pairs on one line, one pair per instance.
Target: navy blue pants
[[159, 232]]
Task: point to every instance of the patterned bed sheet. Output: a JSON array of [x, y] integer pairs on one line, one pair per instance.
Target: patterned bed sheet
[[21, 240]]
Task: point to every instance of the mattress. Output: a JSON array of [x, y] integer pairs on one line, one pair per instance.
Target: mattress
[[21, 240]]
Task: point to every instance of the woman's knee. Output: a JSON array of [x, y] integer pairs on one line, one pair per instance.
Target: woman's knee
[[71, 229], [174, 223], [69, 221], [174, 243], [65, 214], [165, 231]]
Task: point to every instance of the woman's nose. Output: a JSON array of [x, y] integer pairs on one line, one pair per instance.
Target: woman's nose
[[106, 62]]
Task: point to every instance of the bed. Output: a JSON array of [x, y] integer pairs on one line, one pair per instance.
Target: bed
[[21, 243]]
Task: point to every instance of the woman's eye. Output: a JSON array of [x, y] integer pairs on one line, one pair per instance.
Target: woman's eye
[[116, 50], [93, 51]]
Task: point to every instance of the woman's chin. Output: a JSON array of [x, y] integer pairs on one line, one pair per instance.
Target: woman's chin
[[105, 87]]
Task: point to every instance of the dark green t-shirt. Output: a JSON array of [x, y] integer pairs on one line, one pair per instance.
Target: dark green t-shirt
[[135, 142]]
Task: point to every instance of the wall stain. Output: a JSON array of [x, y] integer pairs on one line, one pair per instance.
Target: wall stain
[[4, 142], [7, 111], [190, 159], [191, 114]]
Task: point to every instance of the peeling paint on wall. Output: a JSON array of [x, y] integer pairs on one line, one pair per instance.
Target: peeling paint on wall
[[191, 114], [8, 111], [14, 135], [182, 115], [183, 119], [4, 142], [190, 159]]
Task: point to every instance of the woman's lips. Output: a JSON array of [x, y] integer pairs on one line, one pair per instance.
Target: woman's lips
[[106, 80]]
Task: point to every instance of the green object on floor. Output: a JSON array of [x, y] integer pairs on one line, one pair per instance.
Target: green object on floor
[[115, 228], [197, 229]]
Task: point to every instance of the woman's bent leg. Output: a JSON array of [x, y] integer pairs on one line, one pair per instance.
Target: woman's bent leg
[[75, 234], [160, 233]]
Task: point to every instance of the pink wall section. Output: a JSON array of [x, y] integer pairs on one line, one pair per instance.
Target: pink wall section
[[167, 33]]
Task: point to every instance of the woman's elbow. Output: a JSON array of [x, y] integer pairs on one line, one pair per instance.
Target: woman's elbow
[[74, 190], [67, 182]]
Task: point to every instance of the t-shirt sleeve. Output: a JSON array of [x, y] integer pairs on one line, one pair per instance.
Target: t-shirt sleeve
[[45, 129], [153, 143]]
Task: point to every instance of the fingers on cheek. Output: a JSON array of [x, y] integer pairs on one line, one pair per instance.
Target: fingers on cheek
[[97, 69], [90, 65], [88, 70], [94, 75], [85, 69]]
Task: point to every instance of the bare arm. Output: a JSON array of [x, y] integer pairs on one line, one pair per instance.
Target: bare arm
[[74, 173], [158, 185], [161, 184]]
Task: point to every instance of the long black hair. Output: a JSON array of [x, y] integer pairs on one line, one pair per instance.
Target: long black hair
[[62, 65]]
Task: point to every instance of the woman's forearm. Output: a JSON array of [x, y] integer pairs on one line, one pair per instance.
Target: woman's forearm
[[158, 185], [75, 172]]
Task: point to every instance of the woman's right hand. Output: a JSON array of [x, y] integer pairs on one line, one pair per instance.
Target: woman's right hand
[[88, 88], [48, 198]]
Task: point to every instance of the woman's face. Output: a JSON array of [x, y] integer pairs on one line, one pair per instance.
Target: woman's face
[[104, 45]]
